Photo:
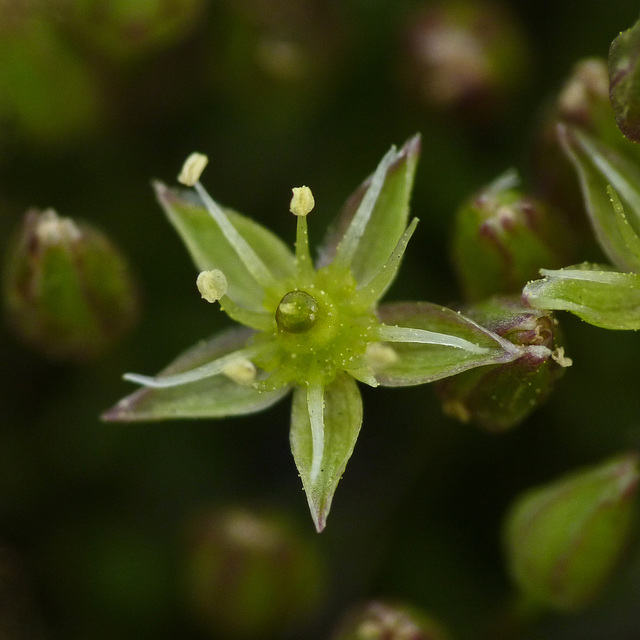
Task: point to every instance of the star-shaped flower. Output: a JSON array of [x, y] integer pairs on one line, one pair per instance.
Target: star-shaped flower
[[309, 328]]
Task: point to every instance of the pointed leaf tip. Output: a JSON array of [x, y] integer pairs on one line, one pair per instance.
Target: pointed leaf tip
[[342, 417]]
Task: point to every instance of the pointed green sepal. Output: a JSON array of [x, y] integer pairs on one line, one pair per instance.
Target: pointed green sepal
[[210, 249], [341, 420], [388, 217], [457, 344], [212, 397], [599, 166], [595, 293]]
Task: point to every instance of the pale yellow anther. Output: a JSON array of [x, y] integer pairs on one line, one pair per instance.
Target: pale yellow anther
[[302, 201], [241, 371], [379, 356], [192, 169], [212, 285]]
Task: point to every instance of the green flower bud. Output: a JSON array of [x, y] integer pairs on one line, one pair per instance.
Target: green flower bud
[[624, 70], [564, 539], [502, 238], [499, 397], [385, 621], [67, 290], [250, 575], [467, 57]]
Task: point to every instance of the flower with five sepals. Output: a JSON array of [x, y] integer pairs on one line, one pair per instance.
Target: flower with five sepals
[[310, 328]]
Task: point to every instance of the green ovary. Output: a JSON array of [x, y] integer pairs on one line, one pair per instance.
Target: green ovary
[[321, 329]]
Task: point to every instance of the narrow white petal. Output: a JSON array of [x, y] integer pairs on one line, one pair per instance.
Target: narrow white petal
[[315, 404], [409, 334]]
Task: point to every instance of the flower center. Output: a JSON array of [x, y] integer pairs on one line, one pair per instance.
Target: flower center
[[297, 312]]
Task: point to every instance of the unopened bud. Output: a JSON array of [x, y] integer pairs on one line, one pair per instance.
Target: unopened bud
[[302, 201], [624, 69], [67, 289], [250, 575], [388, 621], [499, 397], [563, 540], [503, 237]]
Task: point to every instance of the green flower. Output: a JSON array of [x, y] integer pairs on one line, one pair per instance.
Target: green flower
[[310, 328]]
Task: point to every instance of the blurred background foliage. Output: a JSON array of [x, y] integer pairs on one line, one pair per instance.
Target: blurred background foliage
[[96, 521]]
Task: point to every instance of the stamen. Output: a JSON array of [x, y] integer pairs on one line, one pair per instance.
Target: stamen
[[315, 405], [190, 176], [192, 169], [241, 371], [347, 248], [208, 370], [379, 356], [302, 203], [376, 287], [422, 336], [212, 285]]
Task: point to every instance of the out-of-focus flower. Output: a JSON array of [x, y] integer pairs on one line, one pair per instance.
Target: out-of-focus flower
[[250, 575], [564, 539], [466, 57], [378, 620]]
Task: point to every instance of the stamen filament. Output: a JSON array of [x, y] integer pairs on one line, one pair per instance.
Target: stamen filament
[[315, 405], [347, 248], [255, 266], [375, 288], [304, 264], [208, 370], [409, 334]]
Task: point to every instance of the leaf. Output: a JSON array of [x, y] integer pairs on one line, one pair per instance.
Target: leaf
[[624, 72], [214, 397], [599, 166], [209, 248], [419, 363], [341, 420], [388, 220], [598, 295]]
